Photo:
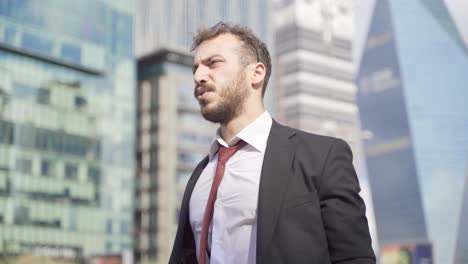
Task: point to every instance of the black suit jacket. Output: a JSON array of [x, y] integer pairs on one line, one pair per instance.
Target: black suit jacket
[[309, 210]]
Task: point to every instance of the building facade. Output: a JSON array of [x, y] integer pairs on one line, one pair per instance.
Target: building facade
[[172, 24], [315, 71], [66, 128], [172, 138], [411, 89]]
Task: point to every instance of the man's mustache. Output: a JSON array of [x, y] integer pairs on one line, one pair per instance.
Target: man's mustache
[[203, 88]]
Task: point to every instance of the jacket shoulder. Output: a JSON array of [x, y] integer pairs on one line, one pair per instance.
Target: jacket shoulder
[[316, 140]]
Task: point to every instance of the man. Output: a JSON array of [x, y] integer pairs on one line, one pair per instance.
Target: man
[[280, 195]]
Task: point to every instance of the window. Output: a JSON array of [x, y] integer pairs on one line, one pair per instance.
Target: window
[[153, 220], [153, 243], [6, 130], [145, 92], [109, 247], [36, 43], [23, 91], [154, 138], [94, 175], [25, 135], [10, 34], [54, 141], [154, 118], [21, 215], [23, 165], [154, 160], [26, 91], [124, 228], [71, 52], [71, 171], [109, 226], [74, 145], [154, 96], [122, 33], [43, 96], [46, 168], [94, 149], [153, 197], [80, 102]]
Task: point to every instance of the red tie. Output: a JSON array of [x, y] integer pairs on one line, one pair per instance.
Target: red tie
[[223, 155]]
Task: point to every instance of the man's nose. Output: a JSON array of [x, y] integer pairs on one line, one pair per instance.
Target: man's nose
[[201, 75]]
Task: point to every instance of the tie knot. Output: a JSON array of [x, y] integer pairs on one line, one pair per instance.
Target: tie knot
[[225, 153]]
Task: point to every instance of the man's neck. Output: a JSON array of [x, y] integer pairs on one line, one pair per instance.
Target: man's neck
[[233, 127]]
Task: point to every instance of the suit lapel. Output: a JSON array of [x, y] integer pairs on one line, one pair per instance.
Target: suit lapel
[[189, 189], [184, 222], [279, 154]]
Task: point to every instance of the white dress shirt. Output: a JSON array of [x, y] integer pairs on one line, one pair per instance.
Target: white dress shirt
[[233, 231]]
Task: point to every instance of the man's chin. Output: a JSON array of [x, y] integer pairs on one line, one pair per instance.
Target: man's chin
[[205, 109], [213, 116], [209, 116]]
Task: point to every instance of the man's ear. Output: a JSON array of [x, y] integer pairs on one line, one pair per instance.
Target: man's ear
[[258, 75]]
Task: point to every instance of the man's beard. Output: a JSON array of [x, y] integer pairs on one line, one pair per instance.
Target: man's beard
[[230, 103]]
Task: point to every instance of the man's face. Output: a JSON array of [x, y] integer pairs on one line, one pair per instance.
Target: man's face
[[220, 82]]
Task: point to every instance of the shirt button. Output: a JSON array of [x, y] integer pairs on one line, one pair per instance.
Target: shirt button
[[219, 203]]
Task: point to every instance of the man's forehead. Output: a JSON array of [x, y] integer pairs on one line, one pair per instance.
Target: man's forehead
[[217, 45]]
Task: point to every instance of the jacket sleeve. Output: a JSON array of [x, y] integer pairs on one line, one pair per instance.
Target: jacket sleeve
[[342, 209]]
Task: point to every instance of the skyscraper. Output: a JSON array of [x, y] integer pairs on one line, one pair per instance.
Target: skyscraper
[[172, 139], [172, 135], [315, 83], [411, 88], [169, 23], [66, 127], [315, 74]]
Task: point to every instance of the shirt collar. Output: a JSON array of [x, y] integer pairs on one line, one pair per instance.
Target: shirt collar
[[254, 134]]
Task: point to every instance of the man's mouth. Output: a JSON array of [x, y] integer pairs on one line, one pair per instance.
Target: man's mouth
[[200, 91]]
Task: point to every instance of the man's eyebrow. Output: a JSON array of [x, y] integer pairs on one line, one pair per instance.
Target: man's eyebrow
[[205, 60]]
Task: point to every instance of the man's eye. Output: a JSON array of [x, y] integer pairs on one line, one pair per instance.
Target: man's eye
[[214, 62]]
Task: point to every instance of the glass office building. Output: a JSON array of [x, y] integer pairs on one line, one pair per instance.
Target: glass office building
[[412, 96], [66, 127]]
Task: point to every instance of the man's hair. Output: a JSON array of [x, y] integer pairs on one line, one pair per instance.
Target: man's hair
[[252, 48]]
